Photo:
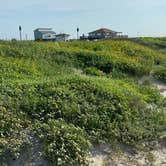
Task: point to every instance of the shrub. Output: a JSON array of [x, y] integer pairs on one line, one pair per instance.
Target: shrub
[[160, 73], [12, 134], [37, 83], [93, 71], [64, 144]]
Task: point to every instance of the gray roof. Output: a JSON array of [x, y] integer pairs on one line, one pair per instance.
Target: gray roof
[[45, 30]]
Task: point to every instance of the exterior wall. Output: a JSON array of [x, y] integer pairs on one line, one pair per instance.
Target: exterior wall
[[101, 35], [44, 35], [48, 36], [61, 38], [38, 35]]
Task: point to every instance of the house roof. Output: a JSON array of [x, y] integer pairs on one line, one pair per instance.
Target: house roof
[[102, 30], [45, 30]]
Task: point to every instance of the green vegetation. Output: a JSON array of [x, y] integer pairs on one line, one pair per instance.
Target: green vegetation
[[64, 144], [155, 43], [93, 71], [74, 94], [160, 73], [150, 158]]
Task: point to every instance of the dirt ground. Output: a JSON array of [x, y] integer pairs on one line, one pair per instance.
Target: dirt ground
[[105, 155]]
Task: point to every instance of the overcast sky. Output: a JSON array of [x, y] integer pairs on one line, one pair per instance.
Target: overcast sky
[[133, 17]]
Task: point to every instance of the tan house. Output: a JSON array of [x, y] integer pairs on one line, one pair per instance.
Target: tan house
[[103, 33]]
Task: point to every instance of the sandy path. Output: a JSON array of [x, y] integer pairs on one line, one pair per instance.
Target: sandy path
[[104, 155]]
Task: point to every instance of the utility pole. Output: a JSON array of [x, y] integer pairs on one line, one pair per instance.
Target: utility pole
[[78, 33], [20, 29], [26, 37]]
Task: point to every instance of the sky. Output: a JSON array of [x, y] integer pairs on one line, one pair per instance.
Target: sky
[[132, 17]]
